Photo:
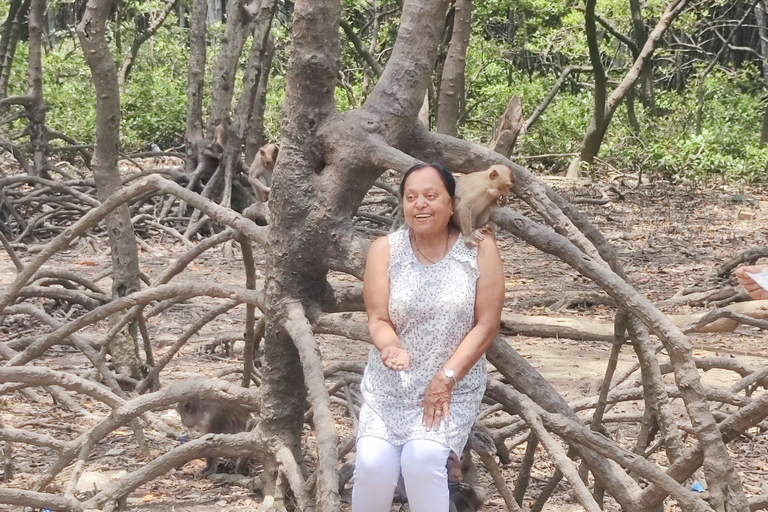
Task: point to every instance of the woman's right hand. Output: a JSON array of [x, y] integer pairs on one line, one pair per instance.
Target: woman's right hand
[[395, 358], [755, 290]]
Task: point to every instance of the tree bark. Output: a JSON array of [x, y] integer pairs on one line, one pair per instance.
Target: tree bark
[[372, 45], [35, 112], [251, 80], [309, 100], [10, 37], [640, 35], [125, 260], [255, 137], [214, 12], [240, 15], [762, 32], [452, 80], [195, 81]]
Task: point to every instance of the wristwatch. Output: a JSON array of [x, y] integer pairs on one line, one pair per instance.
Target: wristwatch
[[451, 375]]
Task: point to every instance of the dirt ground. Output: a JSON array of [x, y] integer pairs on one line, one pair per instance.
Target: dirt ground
[[669, 238]]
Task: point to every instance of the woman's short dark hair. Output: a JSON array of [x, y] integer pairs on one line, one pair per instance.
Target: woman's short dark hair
[[445, 175]]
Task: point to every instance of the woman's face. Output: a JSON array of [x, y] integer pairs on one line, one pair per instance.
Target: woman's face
[[427, 206]]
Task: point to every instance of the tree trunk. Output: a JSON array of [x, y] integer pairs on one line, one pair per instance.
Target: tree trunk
[[255, 138], [594, 136], [125, 260], [143, 37], [36, 111], [195, 81], [762, 32], [310, 83], [239, 18], [602, 116], [251, 80], [640, 35], [374, 43], [452, 80], [214, 13], [16, 13]]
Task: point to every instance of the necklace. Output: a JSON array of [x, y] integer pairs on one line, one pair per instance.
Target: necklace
[[416, 245]]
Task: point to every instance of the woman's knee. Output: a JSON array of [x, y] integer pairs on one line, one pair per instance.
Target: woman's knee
[[376, 459], [424, 459]]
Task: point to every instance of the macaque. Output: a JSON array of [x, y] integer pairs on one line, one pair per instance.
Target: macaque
[[477, 196], [214, 417], [465, 493], [220, 135], [260, 173]]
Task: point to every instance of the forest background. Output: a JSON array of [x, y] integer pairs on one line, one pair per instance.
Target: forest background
[[130, 125], [516, 48]]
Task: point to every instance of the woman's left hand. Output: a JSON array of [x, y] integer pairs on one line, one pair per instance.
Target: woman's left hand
[[437, 401]]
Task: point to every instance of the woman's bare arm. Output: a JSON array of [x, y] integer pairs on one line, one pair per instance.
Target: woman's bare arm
[[376, 295], [489, 299]]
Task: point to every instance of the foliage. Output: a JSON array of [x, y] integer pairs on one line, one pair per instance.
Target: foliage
[[516, 48]]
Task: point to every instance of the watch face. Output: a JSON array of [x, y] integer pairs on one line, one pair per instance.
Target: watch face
[[448, 372]]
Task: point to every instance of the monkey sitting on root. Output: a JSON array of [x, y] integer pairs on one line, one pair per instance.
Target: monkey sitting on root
[[215, 417], [260, 172], [477, 196], [464, 489], [465, 492]]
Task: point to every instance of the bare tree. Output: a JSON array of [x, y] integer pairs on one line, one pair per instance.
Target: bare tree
[[762, 31], [328, 162], [604, 109], [10, 36], [452, 80], [125, 259]]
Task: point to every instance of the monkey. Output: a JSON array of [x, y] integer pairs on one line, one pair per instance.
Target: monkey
[[260, 172], [214, 417], [220, 135], [477, 196], [465, 493]]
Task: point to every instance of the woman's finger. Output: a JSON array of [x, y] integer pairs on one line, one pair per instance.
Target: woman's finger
[[446, 410], [429, 413]]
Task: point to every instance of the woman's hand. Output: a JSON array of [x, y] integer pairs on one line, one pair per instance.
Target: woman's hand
[[395, 358], [755, 290], [437, 401]]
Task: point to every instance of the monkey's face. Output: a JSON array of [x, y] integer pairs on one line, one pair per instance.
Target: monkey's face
[[454, 466], [190, 414], [426, 202], [501, 183], [268, 155]]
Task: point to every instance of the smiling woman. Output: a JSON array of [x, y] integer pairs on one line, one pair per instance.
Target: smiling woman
[[434, 307]]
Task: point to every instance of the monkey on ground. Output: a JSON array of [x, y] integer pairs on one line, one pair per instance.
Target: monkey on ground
[[214, 417], [260, 173], [477, 196], [220, 135], [465, 493]]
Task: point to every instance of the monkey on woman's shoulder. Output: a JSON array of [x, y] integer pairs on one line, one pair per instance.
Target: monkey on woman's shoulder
[[477, 196]]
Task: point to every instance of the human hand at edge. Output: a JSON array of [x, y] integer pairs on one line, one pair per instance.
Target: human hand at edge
[[755, 291], [396, 358], [437, 402]]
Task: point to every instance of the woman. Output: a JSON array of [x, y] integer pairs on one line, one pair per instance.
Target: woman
[[434, 307]]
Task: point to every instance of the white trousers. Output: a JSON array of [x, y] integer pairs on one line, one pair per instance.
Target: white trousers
[[378, 466]]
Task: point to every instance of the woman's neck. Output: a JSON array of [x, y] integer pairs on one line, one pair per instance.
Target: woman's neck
[[432, 240]]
